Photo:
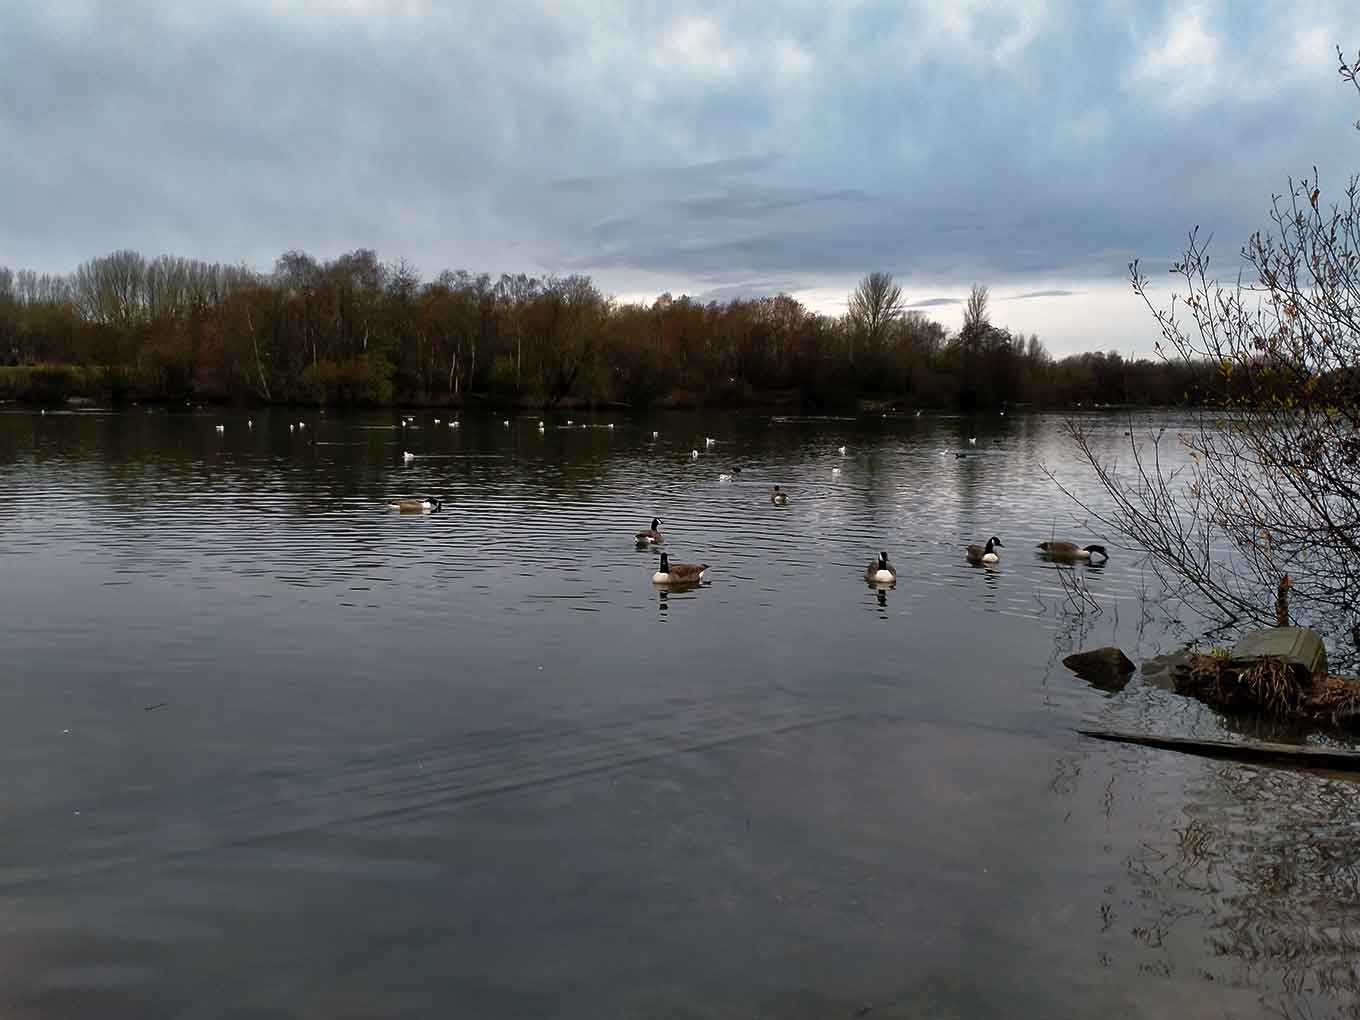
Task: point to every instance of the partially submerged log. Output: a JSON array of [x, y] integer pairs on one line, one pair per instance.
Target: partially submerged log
[[1264, 754]]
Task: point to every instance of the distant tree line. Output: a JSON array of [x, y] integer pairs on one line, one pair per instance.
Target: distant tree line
[[357, 331]]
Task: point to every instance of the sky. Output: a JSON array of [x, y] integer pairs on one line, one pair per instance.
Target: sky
[[716, 149]]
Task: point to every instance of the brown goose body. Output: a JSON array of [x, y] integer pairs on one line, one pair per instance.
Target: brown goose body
[[880, 571], [416, 506], [678, 573], [987, 553], [1071, 551], [651, 536]]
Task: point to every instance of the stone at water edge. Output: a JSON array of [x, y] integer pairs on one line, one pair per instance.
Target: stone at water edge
[[1108, 668]]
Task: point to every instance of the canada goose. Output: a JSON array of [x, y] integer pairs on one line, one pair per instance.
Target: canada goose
[[841, 451], [408, 456], [1072, 551], [428, 505], [778, 498], [678, 573], [880, 571], [978, 554], [651, 536]]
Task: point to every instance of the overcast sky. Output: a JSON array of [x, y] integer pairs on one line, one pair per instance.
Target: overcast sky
[[714, 149]]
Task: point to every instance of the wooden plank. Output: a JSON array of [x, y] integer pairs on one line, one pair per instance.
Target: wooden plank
[[1292, 755]]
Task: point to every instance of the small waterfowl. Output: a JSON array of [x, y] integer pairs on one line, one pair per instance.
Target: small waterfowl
[[918, 414], [724, 477], [221, 428], [291, 427], [453, 424], [880, 571], [710, 441], [778, 498], [972, 440], [835, 472], [987, 554], [678, 573], [693, 454], [408, 456], [428, 505], [655, 435], [506, 422], [1072, 551], [250, 423], [651, 536]]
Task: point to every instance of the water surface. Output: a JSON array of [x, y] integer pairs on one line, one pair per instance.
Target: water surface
[[270, 750]]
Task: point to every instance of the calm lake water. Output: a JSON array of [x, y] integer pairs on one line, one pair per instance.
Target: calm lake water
[[270, 750]]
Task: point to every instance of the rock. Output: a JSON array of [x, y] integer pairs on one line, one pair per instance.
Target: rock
[[1106, 668]]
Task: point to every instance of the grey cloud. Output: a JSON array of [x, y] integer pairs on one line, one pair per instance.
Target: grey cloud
[[532, 138], [1040, 294], [935, 302]]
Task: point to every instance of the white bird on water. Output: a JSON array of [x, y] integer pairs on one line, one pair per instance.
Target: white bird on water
[[453, 424], [655, 435], [221, 428], [291, 428], [972, 441], [408, 456], [842, 451], [250, 423], [709, 441], [724, 478], [693, 454], [835, 472], [506, 423]]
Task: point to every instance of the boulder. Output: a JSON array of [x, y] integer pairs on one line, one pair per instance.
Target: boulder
[[1106, 668]]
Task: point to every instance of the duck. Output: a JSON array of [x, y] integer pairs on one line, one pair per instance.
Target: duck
[[428, 505], [651, 536], [988, 554], [880, 571], [778, 498], [1072, 551], [408, 456], [678, 573]]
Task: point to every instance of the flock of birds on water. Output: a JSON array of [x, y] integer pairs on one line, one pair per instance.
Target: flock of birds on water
[[879, 572]]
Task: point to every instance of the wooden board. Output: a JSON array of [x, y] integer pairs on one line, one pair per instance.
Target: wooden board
[[1292, 755]]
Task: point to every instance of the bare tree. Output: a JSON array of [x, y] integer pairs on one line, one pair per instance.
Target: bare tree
[[1270, 481], [874, 306], [976, 317]]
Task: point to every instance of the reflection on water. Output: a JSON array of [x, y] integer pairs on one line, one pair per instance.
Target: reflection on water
[[475, 763]]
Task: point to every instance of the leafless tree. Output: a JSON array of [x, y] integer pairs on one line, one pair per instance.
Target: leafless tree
[[874, 306], [1269, 480]]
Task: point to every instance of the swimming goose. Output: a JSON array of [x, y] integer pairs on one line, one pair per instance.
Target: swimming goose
[[651, 536], [408, 456], [880, 571], [779, 498], [1072, 551], [978, 554], [428, 505], [678, 573]]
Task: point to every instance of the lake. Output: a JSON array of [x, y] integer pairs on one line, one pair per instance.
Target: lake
[[272, 750]]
